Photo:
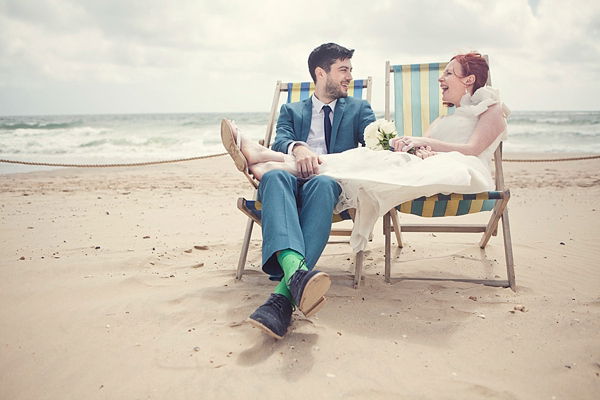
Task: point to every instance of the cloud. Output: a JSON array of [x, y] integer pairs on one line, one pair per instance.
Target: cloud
[[197, 55]]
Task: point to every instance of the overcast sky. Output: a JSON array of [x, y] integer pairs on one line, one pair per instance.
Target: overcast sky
[[158, 56]]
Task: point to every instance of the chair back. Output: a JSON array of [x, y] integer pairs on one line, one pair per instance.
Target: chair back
[[299, 91], [417, 96], [418, 102]]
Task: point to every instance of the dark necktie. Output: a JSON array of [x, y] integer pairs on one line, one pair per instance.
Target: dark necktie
[[327, 122]]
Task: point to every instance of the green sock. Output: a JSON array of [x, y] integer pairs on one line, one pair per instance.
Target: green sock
[[290, 261], [282, 288]]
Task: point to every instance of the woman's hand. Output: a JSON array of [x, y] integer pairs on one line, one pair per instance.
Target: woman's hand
[[405, 143], [424, 152]]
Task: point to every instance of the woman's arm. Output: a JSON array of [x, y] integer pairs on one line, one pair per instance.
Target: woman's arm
[[490, 125]]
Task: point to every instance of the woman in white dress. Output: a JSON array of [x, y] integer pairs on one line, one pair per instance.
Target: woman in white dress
[[453, 156]]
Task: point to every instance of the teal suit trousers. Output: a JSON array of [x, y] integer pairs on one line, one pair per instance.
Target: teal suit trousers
[[299, 217]]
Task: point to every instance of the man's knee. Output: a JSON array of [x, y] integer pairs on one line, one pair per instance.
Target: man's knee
[[322, 187], [277, 180], [325, 183], [277, 175]]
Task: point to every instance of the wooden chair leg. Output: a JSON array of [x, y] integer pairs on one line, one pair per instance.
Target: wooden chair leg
[[497, 213], [244, 250], [388, 246], [396, 226], [358, 268], [508, 254]]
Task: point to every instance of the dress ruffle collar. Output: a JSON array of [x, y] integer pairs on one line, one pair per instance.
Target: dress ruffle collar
[[478, 102]]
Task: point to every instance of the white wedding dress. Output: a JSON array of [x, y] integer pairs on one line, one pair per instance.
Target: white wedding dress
[[374, 182]]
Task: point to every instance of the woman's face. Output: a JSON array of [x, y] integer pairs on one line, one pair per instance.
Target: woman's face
[[453, 83]]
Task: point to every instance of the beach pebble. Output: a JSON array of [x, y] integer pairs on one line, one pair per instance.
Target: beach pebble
[[520, 307], [473, 298], [201, 247], [196, 348], [146, 237], [404, 336], [329, 375], [187, 251], [198, 265], [22, 258], [482, 316]]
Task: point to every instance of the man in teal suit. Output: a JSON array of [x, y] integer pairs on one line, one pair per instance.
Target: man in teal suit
[[296, 212]]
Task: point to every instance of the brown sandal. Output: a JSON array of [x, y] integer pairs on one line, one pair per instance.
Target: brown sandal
[[233, 147]]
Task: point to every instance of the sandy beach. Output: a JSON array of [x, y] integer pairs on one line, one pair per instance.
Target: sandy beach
[[118, 283]]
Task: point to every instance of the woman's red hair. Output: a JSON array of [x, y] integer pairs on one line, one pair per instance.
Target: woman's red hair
[[474, 63]]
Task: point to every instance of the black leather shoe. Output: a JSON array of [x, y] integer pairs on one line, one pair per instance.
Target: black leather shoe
[[273, 317], [308, 288]]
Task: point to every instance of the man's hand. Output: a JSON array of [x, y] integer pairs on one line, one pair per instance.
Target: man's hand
[[307, 161]]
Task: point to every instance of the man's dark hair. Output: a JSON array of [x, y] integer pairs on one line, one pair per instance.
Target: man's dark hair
[[325, 56]]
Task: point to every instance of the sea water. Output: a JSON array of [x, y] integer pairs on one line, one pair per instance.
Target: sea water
[[104, 139]]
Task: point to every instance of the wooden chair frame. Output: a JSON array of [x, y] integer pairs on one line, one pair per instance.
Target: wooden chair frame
[[280, 88], [391, 221]]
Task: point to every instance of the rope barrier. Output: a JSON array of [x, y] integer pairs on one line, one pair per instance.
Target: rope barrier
[[222, 154], [551, 159], [110, 165]]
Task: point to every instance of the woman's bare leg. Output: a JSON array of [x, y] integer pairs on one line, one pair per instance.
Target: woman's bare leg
[[259, 159], [254, 152], [259, 169]]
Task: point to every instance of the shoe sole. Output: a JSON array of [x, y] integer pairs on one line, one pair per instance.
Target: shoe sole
[[316, 308], [312, 296], [232, 147], [264, 328]]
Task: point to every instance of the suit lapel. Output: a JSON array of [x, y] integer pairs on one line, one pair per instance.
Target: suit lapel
[[337, 118], [306, 119]]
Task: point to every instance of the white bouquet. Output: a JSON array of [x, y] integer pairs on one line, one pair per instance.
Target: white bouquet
[[378, 134]]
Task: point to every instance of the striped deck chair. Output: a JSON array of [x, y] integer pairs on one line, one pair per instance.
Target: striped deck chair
[[417, 103], [297, 91]]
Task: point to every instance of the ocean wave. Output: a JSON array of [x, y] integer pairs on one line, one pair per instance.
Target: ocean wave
[[155, 137], [559, 118], [36, 126]]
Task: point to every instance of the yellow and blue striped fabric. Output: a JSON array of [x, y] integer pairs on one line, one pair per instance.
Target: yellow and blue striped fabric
[[418, 102], [255, 208], [441, 205], [418, 98], [300, 91]]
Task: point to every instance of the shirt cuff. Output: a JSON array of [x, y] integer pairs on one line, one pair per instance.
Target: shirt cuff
[[291, 146]]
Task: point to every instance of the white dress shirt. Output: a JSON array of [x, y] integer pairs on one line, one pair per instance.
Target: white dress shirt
[[316, 135]]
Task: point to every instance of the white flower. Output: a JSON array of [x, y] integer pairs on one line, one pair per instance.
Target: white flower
[[372, 137], [388, 127], [378, 133]]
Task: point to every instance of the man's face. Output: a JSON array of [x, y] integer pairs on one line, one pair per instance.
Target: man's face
[[338, 78]]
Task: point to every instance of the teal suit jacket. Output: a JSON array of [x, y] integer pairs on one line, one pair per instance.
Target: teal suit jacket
[[350, 118]]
